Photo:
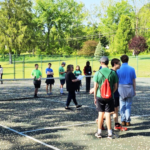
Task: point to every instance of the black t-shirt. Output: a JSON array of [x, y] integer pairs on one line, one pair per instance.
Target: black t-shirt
[[70, 86], [88, 70]]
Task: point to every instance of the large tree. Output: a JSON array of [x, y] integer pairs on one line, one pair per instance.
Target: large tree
[[60, 16], [123, 35], [15, 17]]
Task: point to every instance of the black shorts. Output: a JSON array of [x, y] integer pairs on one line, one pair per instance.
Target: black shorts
[[62, 82], [103, 105], [50, 81], [37, 84], [116, 102]]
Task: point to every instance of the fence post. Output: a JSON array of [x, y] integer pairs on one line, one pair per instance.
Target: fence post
[[76, 60], [137, 64], [41, 63], [14, 66], [92, 64], [23, 66]]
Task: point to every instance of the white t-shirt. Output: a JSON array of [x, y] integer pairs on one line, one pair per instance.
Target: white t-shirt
[[1, 70]]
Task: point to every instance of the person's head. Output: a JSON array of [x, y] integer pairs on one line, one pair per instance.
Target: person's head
[[124, 59], [36, 66], [70, 68], [115, 63], [49, 65], [63, 64], [104, 61], [78, 68], [87, 63]]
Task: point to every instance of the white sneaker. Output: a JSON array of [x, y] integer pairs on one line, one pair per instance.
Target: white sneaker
[[113, 136], [98, 135]]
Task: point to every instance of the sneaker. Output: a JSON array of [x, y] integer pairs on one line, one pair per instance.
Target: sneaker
[[78, 106], [113, 136], [62, 93], [120, 128], [35, 96], [128, 124], [67, 108], [123, 123], [98, 135]]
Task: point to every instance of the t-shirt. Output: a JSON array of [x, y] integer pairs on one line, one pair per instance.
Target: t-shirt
[[87, 70], [126, 74], [98, 78], [116, 94], [77, 72], [1, 70], [62, 76], [48, 70], [70, 86], [36, 73]]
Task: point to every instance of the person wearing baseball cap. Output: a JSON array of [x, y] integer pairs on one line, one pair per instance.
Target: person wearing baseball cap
[[104, 106], [62, 74]]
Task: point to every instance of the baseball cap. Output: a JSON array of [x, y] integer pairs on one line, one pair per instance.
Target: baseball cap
[[63, 63], [104, 59]]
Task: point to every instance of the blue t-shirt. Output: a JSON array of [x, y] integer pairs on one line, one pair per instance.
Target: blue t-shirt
[[48, 70], [126, 74]]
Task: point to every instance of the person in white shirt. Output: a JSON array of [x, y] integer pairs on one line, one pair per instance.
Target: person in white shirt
[[1, 73]]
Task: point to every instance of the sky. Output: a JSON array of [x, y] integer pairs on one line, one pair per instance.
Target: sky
[[89, 3]]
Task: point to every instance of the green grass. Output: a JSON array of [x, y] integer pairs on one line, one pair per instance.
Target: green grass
[[143, 69]]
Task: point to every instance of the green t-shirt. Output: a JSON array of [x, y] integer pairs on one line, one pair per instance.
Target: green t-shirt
[[36, 73], [98, 78], [61, 69], [77, 73]]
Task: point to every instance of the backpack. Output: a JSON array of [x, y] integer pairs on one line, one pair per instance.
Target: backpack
[[105, 89]]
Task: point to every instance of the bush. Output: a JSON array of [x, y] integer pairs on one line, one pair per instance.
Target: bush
[[88, 48], [100, 51]]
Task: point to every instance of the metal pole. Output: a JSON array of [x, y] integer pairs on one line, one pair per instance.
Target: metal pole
[[14, 66], [41, 63], [137, 64], [76, 60], [23, 66]]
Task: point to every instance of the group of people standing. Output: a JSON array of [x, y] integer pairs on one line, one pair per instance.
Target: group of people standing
[[121, 79]]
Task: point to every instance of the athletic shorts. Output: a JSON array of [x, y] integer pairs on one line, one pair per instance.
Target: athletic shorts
[[37, 84], [116, 102], [62, 82], [103, 105]]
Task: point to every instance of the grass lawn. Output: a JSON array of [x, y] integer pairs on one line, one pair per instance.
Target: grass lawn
[[143, 69]]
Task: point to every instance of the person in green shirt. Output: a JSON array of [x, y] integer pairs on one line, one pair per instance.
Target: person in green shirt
[[36, 75], [104, 106], [62, 74], [78, 72]]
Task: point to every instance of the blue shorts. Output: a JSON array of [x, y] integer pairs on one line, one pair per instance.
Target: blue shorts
[[62, 82]]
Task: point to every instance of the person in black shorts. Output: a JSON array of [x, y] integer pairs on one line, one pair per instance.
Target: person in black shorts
[[36, 75], [71, 86], [104, 106], [49, 82], [115, 63]]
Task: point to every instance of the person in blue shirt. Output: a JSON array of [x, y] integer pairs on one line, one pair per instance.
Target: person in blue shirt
[[49, 82], [126, 89]]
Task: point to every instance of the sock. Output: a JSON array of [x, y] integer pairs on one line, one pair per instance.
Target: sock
[[61, 90], [110, 132], [99, 131]]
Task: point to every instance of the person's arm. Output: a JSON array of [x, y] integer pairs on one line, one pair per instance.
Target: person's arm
[[134, 86], [32, 75], [115, 87], [40, 76], [95, 91], [91, 70], [75, 80], [84, 70], [92, 91]]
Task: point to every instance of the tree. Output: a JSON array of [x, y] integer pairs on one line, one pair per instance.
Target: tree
[[14, 16], [88, 48], [123, 35], [138, 45], [62, 15], [100, 51]]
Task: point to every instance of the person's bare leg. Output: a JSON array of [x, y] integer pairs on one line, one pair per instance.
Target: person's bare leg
[[108, 120], [36, 91], [50, 88], [47, 88], [115, 115], [100, 120]]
